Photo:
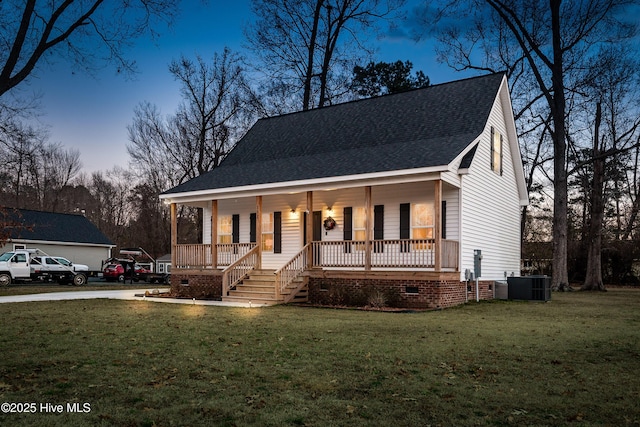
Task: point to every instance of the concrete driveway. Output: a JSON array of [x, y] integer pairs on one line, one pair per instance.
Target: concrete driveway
[[128, 294]]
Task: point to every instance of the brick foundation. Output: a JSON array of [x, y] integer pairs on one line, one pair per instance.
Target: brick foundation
[[428, 291], [196, 284], [486, 290]]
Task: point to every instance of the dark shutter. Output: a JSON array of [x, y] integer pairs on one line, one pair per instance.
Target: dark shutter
[[405, 228], [378, 227], [252, 228], [378, 222], [444, 219], [235, 228], [347, 228], [492, 148], [277, 232], [317, 226], [348, 223], [304, 228], [501, 154]]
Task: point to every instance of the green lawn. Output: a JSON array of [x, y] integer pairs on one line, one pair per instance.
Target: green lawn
[[574, 360]]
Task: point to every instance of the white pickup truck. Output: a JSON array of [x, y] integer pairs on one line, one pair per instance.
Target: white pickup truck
[[33, 264]]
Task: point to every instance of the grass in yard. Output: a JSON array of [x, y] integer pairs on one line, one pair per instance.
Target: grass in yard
[[574, 360]]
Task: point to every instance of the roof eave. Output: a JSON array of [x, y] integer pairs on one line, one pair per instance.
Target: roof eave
[[296, 186]]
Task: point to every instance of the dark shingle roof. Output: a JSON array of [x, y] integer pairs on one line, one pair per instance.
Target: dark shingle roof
[[415, 129], [55, 227]]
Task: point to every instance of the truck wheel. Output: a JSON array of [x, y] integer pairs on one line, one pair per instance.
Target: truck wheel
[[121, 278], [5, 279], [79, 280]]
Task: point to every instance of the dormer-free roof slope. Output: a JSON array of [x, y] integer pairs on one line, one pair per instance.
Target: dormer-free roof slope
[[55, 227], [417, 129]]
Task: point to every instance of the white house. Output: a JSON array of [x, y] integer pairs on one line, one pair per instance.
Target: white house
[[393, 193]]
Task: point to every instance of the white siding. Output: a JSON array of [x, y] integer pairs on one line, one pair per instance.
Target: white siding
[[490, 208]]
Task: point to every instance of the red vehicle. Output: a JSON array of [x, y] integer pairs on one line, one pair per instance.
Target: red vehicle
[[120, 270], [113, 272]]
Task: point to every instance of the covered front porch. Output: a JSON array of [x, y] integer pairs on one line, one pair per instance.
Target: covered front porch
[[324, 244]]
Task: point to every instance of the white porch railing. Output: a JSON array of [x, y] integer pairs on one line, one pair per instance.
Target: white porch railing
[[233, 274], [410, 253], [199, 255]]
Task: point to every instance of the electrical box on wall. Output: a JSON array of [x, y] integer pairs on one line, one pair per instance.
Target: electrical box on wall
[[477, 263]]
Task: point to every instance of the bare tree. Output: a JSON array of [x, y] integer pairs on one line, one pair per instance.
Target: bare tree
[[84, 32], [311, 45], [553, 39], [205, 128]]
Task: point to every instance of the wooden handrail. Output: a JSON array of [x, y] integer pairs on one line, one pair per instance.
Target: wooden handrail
[[199, 255], [233, 274], [292, 269]]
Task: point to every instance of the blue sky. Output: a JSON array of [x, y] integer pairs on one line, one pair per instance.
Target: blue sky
[[91, 113]]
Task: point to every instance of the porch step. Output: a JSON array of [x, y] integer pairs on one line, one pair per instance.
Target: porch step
[[303, 293], [258, 288]]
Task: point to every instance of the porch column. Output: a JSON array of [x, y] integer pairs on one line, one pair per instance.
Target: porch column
[[368, 221], [214, 234], [174, 234], [309, 236], [437, 197], [259, 230]]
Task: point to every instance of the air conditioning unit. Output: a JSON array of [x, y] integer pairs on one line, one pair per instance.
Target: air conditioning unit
[[529, 288]]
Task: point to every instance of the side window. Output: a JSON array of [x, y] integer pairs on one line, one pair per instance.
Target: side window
[[496, 151]]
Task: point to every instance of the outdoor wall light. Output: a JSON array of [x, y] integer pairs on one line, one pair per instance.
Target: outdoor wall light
[[330, 210]]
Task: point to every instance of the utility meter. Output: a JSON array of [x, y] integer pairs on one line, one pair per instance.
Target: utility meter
[[477, 263]]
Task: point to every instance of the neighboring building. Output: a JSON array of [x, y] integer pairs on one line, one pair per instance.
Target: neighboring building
[[58, 234], [163, 264], [392, 193]]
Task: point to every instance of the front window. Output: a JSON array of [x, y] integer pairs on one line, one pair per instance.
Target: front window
[[422, 224], [225, 229], [359, 226], [267, 232]]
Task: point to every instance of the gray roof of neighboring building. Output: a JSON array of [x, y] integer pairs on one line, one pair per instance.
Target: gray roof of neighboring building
[[55, 227], [415, 129]]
